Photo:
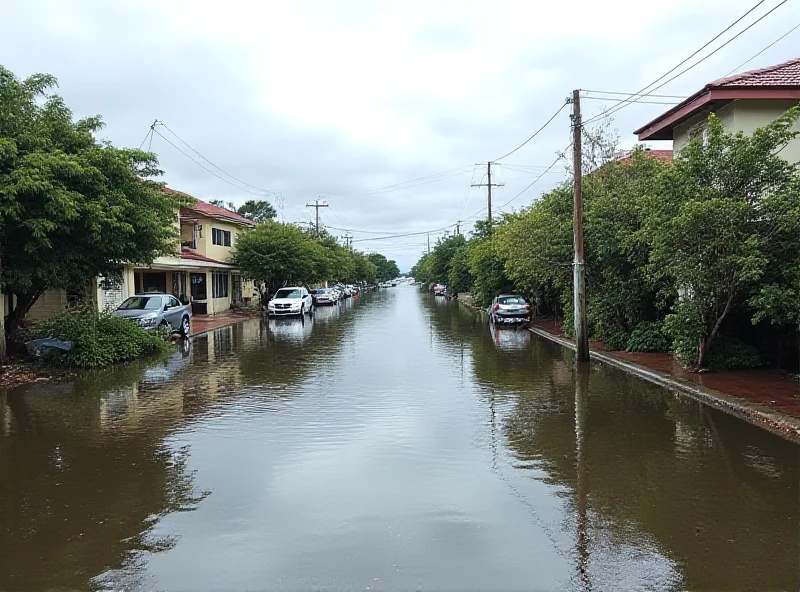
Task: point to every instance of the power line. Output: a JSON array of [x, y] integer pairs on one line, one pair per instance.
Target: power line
[[536, 133], [536, 180], [612, 92], [641, 92], [404, 235], [781, 38], [224, 172], [432, 178], [204, 167], [626, 100]]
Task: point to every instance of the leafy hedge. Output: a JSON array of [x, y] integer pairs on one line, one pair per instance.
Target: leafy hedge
[[647, 337], [98, 338]]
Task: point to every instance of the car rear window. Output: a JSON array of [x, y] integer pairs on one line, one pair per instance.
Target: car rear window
[[141, 303], [287, 294], [511, 300]]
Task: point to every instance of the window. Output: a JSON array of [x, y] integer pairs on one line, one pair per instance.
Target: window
[[221, 237], [173, 302], [699, 130], [220, 284], [289, 293], [141, 303]]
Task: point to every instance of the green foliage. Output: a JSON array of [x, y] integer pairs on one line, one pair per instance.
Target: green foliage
[[99, 338], [616, 341], [274, 254], [710, 235], [486, 267], [257, 210], [385, 269], [442, 256], [71, 208], [460, 279], [647, 337], [728, 353]]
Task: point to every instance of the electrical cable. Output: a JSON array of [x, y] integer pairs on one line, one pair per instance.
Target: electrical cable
[[205, 168], [781, 38], [223, 171], [536, 133], [642, 94]]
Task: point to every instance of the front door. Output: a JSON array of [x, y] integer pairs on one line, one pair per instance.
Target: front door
[[199, 293]]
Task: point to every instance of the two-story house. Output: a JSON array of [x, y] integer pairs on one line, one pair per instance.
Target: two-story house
[[201, 268], [743, 103]]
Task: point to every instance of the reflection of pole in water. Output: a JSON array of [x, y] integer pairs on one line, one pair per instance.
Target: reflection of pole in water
[[581, 405], [493, 429]]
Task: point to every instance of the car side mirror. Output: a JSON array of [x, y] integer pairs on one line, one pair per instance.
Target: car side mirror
[[166, 307]]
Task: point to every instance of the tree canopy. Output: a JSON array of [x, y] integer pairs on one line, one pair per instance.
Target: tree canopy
[[71, 208]]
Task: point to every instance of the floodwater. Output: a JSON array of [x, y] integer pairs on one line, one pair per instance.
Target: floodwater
[[396, 443]]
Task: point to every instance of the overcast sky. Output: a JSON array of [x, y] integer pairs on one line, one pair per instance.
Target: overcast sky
[[348, 99]]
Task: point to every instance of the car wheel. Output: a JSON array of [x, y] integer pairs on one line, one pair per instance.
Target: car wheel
[[186, 327]]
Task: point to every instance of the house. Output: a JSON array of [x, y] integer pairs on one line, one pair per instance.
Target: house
[[743, 103], [201, 268]]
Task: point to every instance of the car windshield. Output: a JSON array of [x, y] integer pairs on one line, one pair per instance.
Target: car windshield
[[511, 300], [287, 293], [141, 303]]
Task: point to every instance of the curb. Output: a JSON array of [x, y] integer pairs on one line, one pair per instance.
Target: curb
[[761, 416]]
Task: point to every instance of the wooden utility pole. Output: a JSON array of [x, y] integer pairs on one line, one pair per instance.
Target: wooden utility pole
[[316, 205], [579, 265], [349, 240], [429, 244], [488, 186]]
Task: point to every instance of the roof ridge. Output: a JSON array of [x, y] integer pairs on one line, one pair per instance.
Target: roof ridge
[[764, 70]]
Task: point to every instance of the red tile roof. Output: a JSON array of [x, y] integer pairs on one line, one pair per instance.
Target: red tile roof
[[785, 74], [217, 212], [778, 82], [186, 254], [207, 209], [662, 155]]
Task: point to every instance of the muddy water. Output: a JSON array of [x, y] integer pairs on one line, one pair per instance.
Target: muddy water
[[393, 444]]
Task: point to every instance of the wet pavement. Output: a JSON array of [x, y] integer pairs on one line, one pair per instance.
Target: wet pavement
[[395, 443]]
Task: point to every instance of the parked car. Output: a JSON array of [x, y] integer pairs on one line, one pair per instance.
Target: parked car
[[293, 301], [439, 290], [157, 311], [324, 296], [510, 309]]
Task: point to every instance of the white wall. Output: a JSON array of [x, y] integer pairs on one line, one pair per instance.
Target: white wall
[[743, 116]]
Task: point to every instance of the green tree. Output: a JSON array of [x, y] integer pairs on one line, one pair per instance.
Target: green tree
[[386, 268], [711, 225], [442, 256], [274, 254], [257, 210], [71, 208], [460, 279]]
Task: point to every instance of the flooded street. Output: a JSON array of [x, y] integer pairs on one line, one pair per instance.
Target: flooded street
[[395, 443]]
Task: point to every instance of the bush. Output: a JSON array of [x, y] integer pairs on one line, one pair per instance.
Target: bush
[[729, 353], [615, 341], [98, 338], [647, 337]]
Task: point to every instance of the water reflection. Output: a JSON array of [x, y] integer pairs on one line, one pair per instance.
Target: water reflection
[[661, 492], [508, 338], [392, 445]]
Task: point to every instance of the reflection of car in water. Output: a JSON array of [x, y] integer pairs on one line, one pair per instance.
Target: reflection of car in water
[[327, 314], [509, 340], [171, 367], [289, 330]]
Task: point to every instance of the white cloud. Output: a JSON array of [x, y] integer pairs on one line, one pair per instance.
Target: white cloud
[[314, 97]]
